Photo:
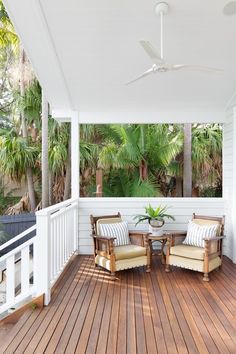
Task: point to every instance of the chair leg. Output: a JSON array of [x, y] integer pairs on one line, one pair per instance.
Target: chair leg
[[206, 277], [167, 268], [113, 276], [148, 268]]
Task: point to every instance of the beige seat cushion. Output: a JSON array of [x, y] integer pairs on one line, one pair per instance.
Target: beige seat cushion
[[194, 264], [188, 251], [129, 251], [121, 264]]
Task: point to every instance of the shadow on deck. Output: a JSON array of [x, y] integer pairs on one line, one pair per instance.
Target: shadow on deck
[[138, 313]]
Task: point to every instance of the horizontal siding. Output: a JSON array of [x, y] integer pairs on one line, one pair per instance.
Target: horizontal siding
[[181, 208]]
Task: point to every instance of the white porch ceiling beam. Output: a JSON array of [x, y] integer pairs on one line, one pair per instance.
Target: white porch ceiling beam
[[151, 117]]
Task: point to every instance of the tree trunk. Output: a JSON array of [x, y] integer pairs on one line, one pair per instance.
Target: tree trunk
[[50, 184], [187, 173], [45, 168], [143, 170], [179, 187], [29, 173], [99, 178], [67, 190]]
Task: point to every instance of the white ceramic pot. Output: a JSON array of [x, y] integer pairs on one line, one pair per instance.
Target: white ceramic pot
[[156, 227]]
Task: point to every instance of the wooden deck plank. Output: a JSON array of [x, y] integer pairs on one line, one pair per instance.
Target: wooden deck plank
[[139, 313], [204, 322], [168, 334], [131, 325], [179, 339], [139, 319], [122, 324], [195, 291], [105, 321], [88, 285], [113, 329], [92, 291], [148, 324], [89, 334], [59, 327], [185, 330], [57, 320], [157, 325], [43, 320]]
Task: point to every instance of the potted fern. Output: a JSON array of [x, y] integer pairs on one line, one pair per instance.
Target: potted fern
[[155, 217]]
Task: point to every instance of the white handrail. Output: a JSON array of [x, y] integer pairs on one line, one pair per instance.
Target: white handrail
[[16, 250], [18, 237], [52, 209]]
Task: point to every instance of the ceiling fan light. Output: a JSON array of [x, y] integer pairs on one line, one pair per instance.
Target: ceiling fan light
[[230, 8]]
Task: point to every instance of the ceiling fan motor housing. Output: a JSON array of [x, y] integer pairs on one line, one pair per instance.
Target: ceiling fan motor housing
[[162, 8]]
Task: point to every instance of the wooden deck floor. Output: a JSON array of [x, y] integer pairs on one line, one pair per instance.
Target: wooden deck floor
[[139, 313]]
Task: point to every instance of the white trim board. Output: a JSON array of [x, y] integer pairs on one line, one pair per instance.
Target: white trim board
[[141, 117]]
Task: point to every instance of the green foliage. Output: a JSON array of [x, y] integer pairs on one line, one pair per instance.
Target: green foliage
[[158, 214], [120, 183], [16, 154]]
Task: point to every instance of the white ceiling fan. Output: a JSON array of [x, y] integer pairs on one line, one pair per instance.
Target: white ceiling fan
[[159, 64]]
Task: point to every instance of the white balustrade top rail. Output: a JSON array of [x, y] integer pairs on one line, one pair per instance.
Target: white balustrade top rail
[[17, 238]]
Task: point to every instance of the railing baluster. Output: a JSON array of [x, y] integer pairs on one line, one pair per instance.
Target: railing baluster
[[10, 276], [25, 270]]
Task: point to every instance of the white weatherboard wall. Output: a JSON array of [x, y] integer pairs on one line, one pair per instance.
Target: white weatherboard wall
[[181, 208], [229, 159]]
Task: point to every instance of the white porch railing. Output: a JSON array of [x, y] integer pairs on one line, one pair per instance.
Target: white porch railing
[[56, 240], [19, 258]]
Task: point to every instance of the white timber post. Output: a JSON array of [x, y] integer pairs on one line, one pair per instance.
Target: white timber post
[[233, 195], [75, 158], [42, 255]]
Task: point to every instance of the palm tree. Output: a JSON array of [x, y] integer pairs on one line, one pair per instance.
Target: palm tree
[[146, 148], [29, 172], [44, 163], [207, 154], [8, 38], [15, 155], [187, 161]]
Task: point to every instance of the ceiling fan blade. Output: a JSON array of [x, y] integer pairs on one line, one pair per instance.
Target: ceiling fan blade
[[196, 67], [146, 73], [152, 52]]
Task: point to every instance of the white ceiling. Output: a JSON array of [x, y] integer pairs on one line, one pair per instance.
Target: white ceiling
[[85, 50]]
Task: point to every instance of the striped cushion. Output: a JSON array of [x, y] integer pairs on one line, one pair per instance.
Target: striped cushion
[[196, 233], [119, 230]]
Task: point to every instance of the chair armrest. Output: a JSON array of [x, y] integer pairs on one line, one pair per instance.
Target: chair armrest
[[217, 238], [103, 238], [172, 236], [139, 238]]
